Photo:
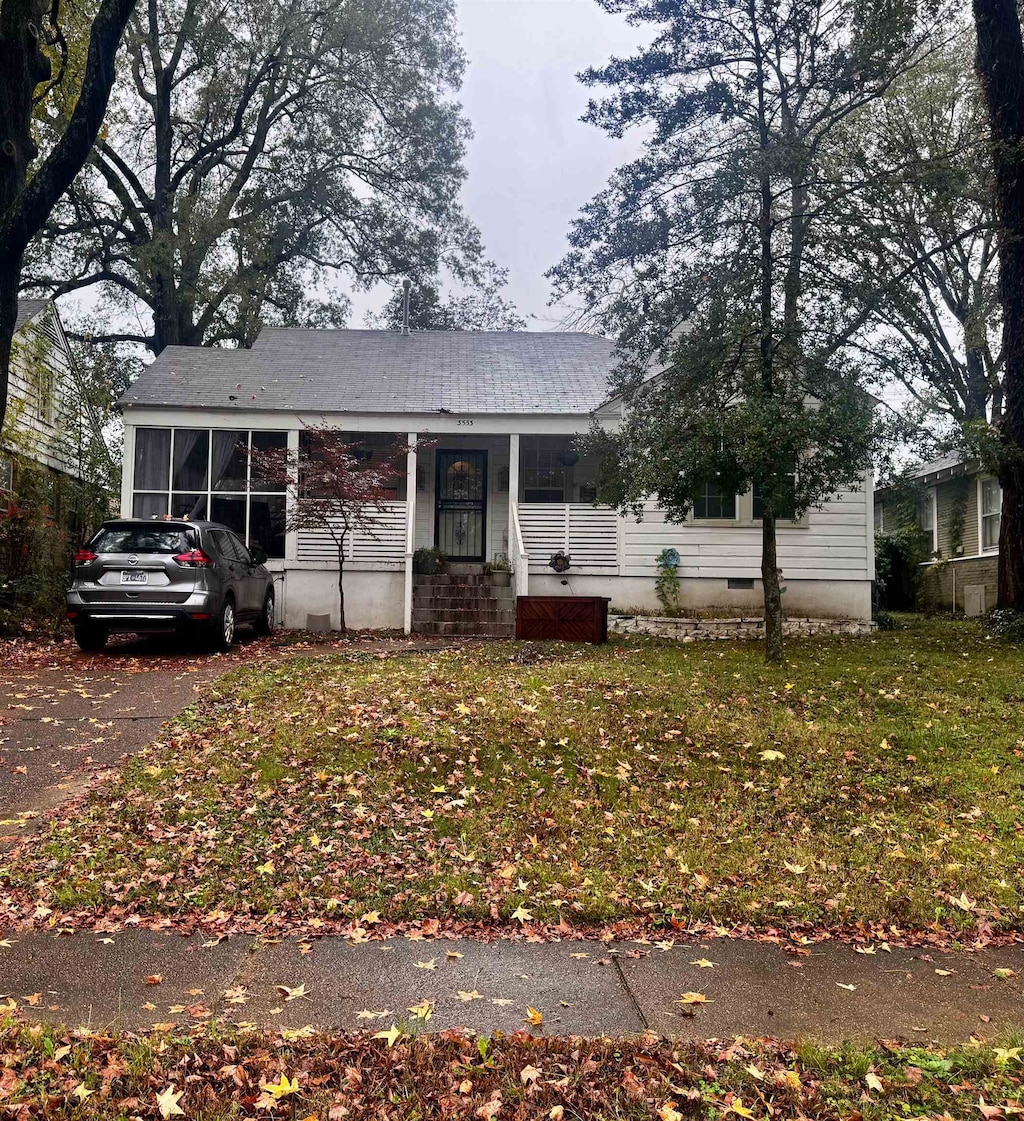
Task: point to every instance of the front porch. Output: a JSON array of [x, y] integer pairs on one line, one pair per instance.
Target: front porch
[[478, 497]]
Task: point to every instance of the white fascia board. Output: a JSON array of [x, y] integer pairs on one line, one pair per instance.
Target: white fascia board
[[463, 424]]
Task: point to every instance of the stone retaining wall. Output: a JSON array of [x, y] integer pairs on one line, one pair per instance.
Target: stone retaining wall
[[692, 630]]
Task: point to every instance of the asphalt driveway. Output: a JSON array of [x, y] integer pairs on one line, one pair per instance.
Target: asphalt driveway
[[65, 716]]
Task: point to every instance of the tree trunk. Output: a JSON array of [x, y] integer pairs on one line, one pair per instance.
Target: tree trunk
[[1000, 61], [772, 591], [25, 203], [22, 67]]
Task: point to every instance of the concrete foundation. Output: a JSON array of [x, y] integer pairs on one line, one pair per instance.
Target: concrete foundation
[[373, 600], [820, 599]]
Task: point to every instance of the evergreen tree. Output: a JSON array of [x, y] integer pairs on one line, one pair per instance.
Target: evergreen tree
[[707, 256]]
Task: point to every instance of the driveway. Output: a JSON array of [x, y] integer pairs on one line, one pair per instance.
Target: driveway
[[66, 716]]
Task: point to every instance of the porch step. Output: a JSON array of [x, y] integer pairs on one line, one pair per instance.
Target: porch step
[[463, 627], [467, 615], [458, 606], [454, 580]]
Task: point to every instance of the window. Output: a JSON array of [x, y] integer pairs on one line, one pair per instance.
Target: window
[[543, 473], [135, 539], [787, 508], [926, 516], [715, 502], [991, 512], [200, 473], [6, 475]]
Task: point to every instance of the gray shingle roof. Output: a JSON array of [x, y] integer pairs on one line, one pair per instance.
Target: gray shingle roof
[[386, 372], [28, 309]]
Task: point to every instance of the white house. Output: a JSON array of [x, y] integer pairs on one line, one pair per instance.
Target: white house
[[49, 420], [494, 414]]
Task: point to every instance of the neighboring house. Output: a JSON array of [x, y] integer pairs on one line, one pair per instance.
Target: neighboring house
[[494, 415], [49, 422], [960, 508]]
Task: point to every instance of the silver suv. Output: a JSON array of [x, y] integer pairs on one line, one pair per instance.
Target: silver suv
[[149, 577]]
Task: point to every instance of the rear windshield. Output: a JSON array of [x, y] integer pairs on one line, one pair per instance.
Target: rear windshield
[[143, 539]]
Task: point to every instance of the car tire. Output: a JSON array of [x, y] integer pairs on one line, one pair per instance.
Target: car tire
[[264, 625], [222, 637], [90, 638]]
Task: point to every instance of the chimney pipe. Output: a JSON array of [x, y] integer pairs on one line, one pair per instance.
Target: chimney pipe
[[407, 288]]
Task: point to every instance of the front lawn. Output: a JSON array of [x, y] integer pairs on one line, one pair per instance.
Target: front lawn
[[218, 1074], [874, 781]]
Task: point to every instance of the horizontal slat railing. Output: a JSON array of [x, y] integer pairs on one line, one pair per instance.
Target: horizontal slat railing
[[386, 544], [589, 534]]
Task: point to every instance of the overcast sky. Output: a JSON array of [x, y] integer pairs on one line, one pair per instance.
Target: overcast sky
[[532, 163]]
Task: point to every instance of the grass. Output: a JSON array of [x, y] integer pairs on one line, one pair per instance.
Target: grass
[[216, 1074], [868, 781]]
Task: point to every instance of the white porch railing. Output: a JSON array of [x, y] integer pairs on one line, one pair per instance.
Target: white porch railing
[[589, 534], [386, 544], [519, 556]]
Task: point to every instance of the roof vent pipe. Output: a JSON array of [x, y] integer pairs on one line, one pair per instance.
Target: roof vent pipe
[[406, 289]]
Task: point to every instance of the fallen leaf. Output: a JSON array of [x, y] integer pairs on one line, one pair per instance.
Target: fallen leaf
[[694, 998], [167, 1102], [533, 1016]]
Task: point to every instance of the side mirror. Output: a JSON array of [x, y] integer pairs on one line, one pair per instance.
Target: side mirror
[[259, 556]]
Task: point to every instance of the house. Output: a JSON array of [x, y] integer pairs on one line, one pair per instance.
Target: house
[[491, 419], [50, 423], [959, 506]]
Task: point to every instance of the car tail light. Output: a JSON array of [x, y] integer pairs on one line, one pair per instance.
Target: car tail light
[[84, 556], [194, 558]]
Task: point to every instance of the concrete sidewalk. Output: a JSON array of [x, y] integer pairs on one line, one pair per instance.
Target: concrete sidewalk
[[586, 988]]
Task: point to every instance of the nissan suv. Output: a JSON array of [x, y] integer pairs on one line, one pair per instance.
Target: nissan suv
[[148, 577]]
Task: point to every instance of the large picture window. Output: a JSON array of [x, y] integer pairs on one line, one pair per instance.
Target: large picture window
[[205, 473]]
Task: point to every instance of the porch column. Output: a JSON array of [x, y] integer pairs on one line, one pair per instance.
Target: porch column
[[513, 495], [410, 528], [291, 538]]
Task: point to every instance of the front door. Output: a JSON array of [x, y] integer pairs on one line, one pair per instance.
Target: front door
[[461, 516]]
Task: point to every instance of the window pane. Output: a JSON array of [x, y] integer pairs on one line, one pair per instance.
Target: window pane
[[152, 458], [266, 524], [149, 505], [265, 441], [191, 506], [229, 510], [229, 459], [191, 456], [714, 503], [990, 531], [991, 497]]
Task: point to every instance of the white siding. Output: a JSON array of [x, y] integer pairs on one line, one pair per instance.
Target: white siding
[[832, 544], [47, 431]]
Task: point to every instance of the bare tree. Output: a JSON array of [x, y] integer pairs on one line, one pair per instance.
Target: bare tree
[[264, 157]]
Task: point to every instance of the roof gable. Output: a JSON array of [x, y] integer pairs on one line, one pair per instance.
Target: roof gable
[[386, 372]]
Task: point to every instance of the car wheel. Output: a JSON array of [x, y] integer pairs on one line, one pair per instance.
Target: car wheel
[[224, 629], [90, 638], [265, 623]]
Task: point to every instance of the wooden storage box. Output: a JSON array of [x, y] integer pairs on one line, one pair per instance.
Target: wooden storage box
[[569, 618]]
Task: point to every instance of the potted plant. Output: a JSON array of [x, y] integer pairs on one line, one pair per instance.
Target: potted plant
[[428, 561], [500, 571]]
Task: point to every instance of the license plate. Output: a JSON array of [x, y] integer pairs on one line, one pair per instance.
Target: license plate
[[134, 577]]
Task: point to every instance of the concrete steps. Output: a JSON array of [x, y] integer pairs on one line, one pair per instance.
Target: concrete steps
[[462, 601]]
